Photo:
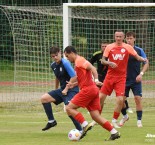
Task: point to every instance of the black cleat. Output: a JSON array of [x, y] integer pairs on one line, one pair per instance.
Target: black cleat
[[114, 136], [85, 130], [49, 125]]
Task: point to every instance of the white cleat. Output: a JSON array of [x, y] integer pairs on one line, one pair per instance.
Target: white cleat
[[123, 120], [115, 125], [129, 110]]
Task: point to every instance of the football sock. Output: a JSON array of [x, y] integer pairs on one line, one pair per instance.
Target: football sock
[[79, 117], [126, 103], [107, 126], [76, 123], [116, 115], [124, 111], [139, 115], [48, 110]]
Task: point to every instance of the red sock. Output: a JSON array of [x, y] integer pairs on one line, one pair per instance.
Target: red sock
[[107, 126], [79, 117], [116, 115]]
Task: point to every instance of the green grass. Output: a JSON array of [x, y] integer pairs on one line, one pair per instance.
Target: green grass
[[24, 128]]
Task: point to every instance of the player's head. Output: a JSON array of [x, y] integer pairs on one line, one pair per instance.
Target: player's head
[[70, 53], [130, 38], [104, 45], [119, 36], [55, 54]]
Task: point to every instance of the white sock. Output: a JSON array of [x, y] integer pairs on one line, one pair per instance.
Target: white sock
[[51, 121], [114, 120], [125, 116], [84, 124], [113, 131]]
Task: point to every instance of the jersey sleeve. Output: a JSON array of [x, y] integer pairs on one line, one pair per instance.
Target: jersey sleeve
[[143, 53], [107, 50], [68, 67], [130, 49]]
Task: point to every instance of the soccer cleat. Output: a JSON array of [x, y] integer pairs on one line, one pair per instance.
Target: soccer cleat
[[115, 125], [49, 125], [139, 124], [129, 110], [123, 120], [114, 136], [85, 130], [93, 123]]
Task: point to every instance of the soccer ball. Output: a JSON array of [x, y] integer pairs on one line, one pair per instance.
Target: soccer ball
[[74, 135]]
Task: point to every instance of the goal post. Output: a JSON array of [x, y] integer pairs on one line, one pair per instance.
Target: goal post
[[67, 14], [89, 23]]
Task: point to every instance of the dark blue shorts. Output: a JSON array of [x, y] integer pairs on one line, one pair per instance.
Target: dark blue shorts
[[136, 89], [59, 97]]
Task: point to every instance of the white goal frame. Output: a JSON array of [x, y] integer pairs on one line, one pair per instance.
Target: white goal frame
[[67, 13]]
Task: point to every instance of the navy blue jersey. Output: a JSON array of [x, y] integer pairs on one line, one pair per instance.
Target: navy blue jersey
[[63, 71], [134, 66], [101, 69]]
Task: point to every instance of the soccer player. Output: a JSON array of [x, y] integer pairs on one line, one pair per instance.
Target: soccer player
[[134, 79], [88, 97], [64, 72], [117, 54], [97, 56]]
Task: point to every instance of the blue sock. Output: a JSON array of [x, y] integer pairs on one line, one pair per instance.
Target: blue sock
[[139, 115], [48, 110], [76, 123]]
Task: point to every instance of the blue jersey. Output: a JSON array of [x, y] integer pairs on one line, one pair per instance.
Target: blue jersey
[[63, 72], [133, 69]]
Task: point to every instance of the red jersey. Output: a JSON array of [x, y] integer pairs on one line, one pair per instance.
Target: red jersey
[[84, 76], [118, 55]]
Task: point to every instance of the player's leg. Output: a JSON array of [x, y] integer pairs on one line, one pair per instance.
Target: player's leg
[[71, 110], [94, 109], [137, 90], [46, 100], [119, 87], [129, 110], [124, 109], [66, 100]]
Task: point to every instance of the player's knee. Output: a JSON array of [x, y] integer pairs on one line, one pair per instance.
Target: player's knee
[[44, 98]]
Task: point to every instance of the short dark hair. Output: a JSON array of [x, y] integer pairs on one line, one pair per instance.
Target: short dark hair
[[54, 50], [130, 33], [70, 49]]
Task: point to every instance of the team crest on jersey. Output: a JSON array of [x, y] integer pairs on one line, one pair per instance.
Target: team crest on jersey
[[122, 50]]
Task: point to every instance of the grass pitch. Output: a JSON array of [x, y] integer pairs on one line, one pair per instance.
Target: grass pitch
[[24, 128]]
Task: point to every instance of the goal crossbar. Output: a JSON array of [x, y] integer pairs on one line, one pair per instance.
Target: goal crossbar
[[67, 13]]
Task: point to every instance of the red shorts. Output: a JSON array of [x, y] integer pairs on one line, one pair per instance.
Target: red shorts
[[88, 97], [114, 83]]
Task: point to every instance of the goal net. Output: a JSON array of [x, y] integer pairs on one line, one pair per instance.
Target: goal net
[[26, 72], [25, 60], [85, 25]]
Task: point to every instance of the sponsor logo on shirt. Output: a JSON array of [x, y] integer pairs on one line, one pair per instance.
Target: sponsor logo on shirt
[[118, 56]]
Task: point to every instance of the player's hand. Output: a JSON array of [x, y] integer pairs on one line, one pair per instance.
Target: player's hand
[[98, 83], [139, 78], [112, 64]]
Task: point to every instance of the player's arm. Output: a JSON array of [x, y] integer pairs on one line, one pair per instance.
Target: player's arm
[[105, 61], [93, 59], [134, 53], [94, 73], [73, 79], [144, 68]]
